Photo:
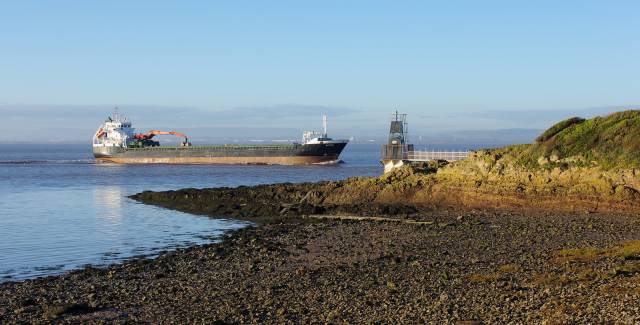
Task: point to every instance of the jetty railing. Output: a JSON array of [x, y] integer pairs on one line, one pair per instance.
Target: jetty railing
[[437, 155], [406, 152]]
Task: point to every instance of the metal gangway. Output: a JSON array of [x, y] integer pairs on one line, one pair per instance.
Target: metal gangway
[[408, 153], [437, 155]]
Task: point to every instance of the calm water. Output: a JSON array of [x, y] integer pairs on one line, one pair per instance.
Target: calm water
[[59, 210]]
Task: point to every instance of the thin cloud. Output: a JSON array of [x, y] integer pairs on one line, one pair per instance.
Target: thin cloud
[[546, 116], [283, 111], [26, 122]]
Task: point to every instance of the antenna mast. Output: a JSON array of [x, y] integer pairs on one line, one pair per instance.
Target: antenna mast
[[324, 125]]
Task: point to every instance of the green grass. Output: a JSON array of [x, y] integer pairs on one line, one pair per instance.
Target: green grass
[[556, 128], [611, 142]]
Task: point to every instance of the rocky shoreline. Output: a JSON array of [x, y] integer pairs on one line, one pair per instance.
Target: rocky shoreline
[[473, 266], [544, 233]]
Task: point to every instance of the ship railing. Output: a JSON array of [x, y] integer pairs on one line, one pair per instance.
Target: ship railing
[[219, 148]]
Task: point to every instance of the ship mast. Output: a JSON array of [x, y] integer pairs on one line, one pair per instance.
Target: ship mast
[[324, 125]]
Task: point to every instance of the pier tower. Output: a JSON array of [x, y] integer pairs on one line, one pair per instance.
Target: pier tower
[[398, 151], [395, 152]]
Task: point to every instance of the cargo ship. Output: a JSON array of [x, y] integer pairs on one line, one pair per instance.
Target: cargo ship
[[116, 141]]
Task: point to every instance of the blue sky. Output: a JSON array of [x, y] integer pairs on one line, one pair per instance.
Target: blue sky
[[445, 63]]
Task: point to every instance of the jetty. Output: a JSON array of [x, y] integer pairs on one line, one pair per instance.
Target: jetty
[[398, 152]]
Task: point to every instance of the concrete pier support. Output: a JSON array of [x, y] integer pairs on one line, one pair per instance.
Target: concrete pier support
[[391, 164]]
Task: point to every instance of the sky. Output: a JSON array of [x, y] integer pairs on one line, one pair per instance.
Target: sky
[[237, 68]]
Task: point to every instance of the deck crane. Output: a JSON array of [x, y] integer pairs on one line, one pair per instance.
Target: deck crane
[[152, 133]]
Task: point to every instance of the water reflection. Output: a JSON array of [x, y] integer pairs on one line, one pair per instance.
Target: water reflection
[[108, 201], [69, 228]]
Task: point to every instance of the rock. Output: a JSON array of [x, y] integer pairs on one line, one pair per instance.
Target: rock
[[543, 160], [28, 302]]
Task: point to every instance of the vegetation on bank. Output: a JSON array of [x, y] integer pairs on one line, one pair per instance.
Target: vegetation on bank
[[556, 128], [588, 159], [610, 142]]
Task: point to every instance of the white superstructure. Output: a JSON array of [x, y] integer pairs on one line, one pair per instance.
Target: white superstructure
[[116, 131], [315, 137]]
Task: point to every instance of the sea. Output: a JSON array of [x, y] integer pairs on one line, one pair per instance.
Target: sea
[[61, 210]]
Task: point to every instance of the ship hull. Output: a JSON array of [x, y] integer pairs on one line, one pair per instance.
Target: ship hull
[[271, 155], [222, 160]]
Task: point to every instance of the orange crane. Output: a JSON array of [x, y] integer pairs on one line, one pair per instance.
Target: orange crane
[[101, 133], [152, 133]]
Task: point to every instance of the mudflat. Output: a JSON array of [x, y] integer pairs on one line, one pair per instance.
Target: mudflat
[[453, 266]]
